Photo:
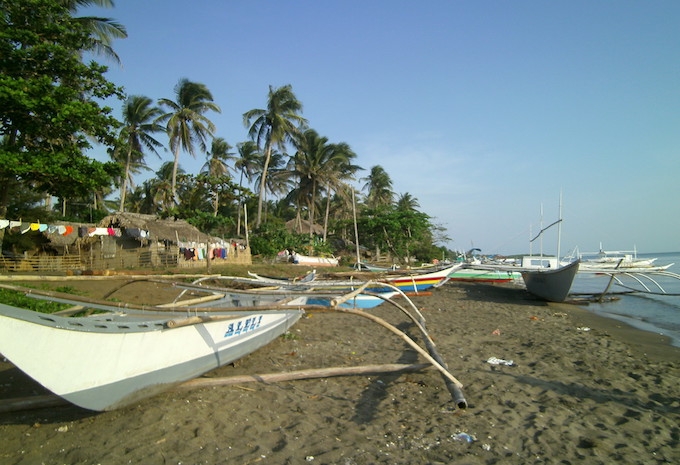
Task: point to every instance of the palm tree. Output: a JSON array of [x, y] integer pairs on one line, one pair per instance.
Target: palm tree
[[249, 155], [102, 30], [186, 120], [278, 124], [277, 178], [139, 122], [319, 162], [161, 190], [308, 166], [338, 172], [379, 187], [216, 166], [407, 202]]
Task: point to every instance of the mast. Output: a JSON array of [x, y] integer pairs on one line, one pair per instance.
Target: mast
[[559, 231], [540, 236]]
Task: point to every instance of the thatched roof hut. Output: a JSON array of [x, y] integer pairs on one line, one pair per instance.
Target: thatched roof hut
[[302, 227], [60, 241], [172, 230]]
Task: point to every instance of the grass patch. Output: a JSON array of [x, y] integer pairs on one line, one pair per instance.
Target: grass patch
[[18, 299]]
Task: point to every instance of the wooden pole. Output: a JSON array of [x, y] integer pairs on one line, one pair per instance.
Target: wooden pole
[[245, 223], [51, 400], [301, 374], [356, 229]]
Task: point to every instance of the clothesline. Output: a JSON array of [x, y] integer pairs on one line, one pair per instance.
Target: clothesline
[[83, 231]]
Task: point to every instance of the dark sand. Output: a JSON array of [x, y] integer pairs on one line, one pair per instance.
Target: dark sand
[[608, 395]]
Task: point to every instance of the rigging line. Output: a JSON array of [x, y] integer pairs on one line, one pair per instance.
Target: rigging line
[[545, 229]]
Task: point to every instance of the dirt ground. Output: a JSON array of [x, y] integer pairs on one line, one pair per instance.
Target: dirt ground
[[604, 395]]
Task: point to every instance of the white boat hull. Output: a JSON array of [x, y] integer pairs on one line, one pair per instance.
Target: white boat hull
[[103, 365], [314, 261]]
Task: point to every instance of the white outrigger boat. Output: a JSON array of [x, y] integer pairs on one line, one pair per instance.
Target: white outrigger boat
[[110, 360], [132, 352], [615, 260]]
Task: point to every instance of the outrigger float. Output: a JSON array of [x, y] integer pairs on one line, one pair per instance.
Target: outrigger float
[[635, 281]]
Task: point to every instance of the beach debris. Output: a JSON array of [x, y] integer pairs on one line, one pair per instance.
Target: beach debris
[[583, 328], [309, 458], [463, 437], [535, 318], [500, 361], [496, 332], [62, 429], [486, 447]]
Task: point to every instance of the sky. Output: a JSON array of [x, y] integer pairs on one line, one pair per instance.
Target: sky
[[484, 111]]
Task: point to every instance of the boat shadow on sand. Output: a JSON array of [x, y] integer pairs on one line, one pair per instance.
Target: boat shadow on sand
[[377, 392], [16, 384], [498, 293]]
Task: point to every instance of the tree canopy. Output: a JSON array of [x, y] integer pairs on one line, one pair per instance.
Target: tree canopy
[[48, 102], [51, 115]]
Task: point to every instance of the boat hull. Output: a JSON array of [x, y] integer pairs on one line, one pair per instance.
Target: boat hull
[[410, 283], [487, 276], [552, 285], [314, 261], [103, 364]]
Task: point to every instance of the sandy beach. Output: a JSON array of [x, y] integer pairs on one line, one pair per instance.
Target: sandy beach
[[581, 389]]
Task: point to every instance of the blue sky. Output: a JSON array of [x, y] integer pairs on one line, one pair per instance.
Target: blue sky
[[482, 110]]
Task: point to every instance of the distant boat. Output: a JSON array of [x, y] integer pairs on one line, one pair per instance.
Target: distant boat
[[228, 298], [405, 281], [299, 259], [472, 274], [551, 284], [362, 266], [610, 260]]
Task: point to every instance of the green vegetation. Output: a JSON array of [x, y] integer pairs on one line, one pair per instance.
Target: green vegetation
[[51, 111], [18, 299]]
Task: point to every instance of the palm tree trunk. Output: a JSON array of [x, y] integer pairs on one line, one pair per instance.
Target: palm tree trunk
[[174, 175], [240, 202], [123, 187], [328, 209], [298, 219], [311, 209], [268, 154]]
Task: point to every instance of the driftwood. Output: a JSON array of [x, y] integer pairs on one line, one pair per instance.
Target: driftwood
[[45, 401]]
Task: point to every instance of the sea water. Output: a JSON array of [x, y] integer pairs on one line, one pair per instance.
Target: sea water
[[650, 312]]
